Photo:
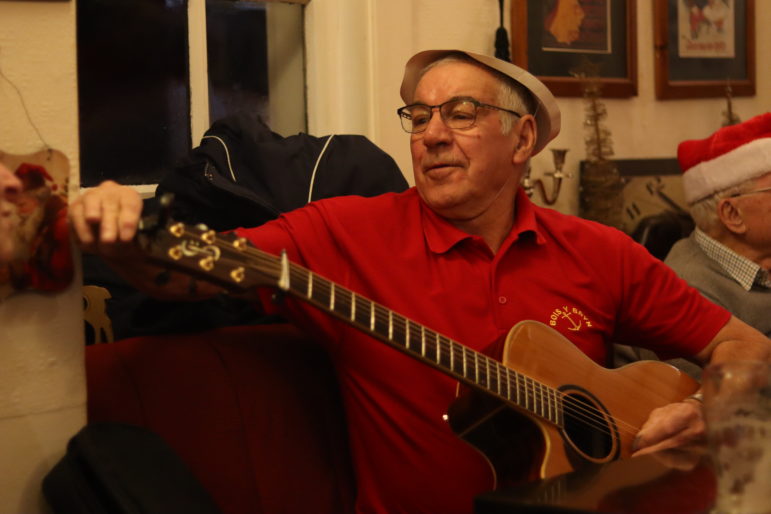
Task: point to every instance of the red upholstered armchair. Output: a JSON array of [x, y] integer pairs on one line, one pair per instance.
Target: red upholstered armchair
[[254, 411]]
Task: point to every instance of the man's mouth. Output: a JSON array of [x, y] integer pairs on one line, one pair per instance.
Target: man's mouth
[[440, 165]]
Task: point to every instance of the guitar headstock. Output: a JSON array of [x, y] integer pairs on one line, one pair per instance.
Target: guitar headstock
[[222, 258]]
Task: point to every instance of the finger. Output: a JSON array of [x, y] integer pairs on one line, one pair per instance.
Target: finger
[[128, 217], [108, 224], [667, 444], [78, 222]]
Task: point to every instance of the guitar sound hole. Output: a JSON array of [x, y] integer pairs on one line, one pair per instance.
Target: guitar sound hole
[[586, 426]]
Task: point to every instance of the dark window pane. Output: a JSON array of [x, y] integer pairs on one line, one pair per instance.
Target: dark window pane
[[133, 89], [237, 45]]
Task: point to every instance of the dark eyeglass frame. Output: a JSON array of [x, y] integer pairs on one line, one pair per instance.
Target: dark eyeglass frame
[[761, 190], [405, 116]]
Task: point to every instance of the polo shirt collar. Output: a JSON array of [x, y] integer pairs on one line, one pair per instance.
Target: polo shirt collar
[[441, 236]]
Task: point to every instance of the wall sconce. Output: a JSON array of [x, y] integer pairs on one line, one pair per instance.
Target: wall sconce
[[557, 175]]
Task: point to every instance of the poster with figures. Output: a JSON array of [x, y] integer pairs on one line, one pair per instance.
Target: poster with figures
[[41, 259], [706, 28]]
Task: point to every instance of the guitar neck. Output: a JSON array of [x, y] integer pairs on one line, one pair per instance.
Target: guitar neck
[[234, 264]]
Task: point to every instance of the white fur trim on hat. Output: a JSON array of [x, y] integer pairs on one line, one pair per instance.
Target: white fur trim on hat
[[729, 169]]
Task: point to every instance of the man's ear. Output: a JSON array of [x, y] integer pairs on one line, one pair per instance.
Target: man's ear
[[731, 216], [526, 142]]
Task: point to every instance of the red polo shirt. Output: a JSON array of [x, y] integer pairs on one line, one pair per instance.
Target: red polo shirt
[[589, 282]]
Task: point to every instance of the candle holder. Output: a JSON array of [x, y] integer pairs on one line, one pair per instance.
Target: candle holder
[[530, 185]]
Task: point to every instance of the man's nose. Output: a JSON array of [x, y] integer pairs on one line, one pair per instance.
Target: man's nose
[[437, 131]]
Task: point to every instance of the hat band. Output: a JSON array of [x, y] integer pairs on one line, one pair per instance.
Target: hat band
[[743, 163]]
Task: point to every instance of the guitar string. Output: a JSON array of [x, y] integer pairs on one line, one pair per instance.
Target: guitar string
[[579, 410], [571, 407]]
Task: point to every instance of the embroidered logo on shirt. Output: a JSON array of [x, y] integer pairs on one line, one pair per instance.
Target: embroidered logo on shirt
[[572, 317]]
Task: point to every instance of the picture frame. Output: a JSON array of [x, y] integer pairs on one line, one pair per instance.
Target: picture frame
[[700, 55], [650, 187], [601, 33]]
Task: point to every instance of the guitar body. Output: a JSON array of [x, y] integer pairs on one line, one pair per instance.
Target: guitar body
[[603, 408]]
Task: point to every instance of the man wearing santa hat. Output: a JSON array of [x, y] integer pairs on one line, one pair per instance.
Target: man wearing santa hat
[[42, 258], [727, 182]]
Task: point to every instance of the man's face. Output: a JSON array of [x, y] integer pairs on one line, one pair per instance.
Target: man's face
[[756, 213], [10, 186], [27, 203], [462, 174]]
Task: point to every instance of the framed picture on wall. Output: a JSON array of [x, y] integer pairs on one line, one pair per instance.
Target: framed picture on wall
[[555, 39], [704, 46]]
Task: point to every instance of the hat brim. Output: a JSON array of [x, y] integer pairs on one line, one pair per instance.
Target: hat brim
[[547, 115]]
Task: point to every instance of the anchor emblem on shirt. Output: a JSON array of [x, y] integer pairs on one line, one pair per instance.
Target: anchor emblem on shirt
[[574, 316]]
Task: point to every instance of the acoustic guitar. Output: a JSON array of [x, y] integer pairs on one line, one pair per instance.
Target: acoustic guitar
[[546, 409]]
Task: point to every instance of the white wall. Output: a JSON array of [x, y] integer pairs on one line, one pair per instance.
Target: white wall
[[359, 92], [42, 387]]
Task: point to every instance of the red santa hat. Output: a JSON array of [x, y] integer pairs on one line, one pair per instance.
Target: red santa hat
[[728, 157], [34, 177]]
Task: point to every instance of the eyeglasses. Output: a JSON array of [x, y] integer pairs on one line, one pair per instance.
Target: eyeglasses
[[458, 113], [763, 190]]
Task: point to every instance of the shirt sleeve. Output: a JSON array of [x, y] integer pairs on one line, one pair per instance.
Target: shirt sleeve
[[660, 311], [302, 234]]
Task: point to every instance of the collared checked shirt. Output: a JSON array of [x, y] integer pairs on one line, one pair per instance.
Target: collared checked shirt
[[746, 272]]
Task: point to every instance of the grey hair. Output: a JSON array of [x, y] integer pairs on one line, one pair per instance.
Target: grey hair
[[512, 95], [704, 211]]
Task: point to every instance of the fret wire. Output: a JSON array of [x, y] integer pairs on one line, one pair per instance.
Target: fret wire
[[423, 340], [401, 324], [446, 351], [560, 411], [534, 392], [362, 318], [552, 405], [523, 393], [539, 396], [535, 397]]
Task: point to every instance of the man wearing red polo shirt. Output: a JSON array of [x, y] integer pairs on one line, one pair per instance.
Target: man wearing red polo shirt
[[464, 253]]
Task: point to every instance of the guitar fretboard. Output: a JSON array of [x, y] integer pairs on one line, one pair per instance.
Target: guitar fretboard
[[233, 261], [432, 348]]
